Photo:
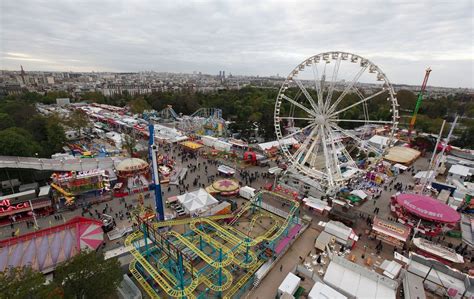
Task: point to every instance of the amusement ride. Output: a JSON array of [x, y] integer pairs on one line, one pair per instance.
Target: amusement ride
[[320, 103]]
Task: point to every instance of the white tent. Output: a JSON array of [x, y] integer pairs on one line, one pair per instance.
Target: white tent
[[379, 141], [226, 169], [268, 145], [422, 174], [323, 291], [197, 201], [289, 285], [316, 204]]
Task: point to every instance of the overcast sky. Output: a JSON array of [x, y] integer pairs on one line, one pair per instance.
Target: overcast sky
[[240, 37]]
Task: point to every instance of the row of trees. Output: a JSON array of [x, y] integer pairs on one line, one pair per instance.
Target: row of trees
[[255, 105], [25, 132], [86, 275], [247, 108]]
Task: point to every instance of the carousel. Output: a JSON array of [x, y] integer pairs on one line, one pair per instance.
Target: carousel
[[133, 176], [224, 187], [429, 215]]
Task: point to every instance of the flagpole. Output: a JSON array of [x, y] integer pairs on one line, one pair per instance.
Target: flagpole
[[34, 216]]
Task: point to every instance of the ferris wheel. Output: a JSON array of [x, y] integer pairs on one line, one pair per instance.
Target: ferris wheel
[[324, 112]]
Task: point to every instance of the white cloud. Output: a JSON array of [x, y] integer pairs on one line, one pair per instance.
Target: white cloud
[[242, 37]]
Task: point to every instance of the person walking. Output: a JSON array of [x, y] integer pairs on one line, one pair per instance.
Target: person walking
[[281, 267]]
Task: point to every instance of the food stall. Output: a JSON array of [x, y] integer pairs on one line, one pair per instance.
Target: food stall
[[226, 170], [390, 232]]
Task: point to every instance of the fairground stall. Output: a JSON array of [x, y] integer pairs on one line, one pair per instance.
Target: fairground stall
[[390, 232], [70, 184], [133, 177], [317, 205], [190, 146], [431, 216], [19, 207], [226, 170], [165, 168]]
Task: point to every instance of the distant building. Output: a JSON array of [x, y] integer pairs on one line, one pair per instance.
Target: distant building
[[63, 101]]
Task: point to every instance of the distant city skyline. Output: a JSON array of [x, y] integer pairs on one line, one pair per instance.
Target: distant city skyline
[[250, 38]]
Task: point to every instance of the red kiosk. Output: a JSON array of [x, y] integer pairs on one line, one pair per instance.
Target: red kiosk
[[250, 157]]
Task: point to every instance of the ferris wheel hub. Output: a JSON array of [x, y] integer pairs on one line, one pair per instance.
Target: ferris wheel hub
[[320, 119]]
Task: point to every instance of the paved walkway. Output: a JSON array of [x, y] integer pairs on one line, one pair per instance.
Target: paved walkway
[[269, 286], [167, 190]]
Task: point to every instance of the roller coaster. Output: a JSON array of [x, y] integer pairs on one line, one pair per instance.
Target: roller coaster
[[211, 258]]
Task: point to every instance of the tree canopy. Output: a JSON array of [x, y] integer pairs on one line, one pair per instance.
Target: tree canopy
[[244, 108], [138, 105], [88, 275], [25, 283], [78, 120]]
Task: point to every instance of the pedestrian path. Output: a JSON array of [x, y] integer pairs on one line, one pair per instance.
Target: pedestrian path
[[76, 164]]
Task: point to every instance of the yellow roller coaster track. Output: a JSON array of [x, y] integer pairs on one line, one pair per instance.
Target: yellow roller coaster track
[[235, 242], [226, 252], [243, 280], [187, 292], [148, 289], [187, 220], [202, 278], [199, 277], [218, 266]]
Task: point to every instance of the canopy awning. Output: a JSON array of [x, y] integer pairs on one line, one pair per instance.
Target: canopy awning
[[359, 193], [400, 166]]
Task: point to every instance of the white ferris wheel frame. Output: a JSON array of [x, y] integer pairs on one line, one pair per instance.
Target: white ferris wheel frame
[[322, 118]]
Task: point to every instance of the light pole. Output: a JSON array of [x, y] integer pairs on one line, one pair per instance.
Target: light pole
[[34, 216]]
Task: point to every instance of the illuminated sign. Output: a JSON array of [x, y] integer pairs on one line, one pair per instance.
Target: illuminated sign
[[6, 206], [391, 227]]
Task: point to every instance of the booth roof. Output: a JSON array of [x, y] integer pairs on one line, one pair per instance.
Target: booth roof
[[428, 208], [401, 154], [191, 145], [393, 229], [131, 164], [359, 193], [196, 200]]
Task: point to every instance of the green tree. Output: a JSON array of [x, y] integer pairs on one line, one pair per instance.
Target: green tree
[[129, 144], [17, 142], [138, 105], [55, 137], [50, 97], [89, 275], [94, 97], [25, 283], [78, 120], [5, 121], [19, 111]]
